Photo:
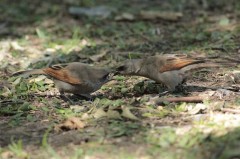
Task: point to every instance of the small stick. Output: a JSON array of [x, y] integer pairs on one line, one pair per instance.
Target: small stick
[[193, 99], [229, 110]]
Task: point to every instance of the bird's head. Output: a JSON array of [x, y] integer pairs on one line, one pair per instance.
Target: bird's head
[[130, 67]]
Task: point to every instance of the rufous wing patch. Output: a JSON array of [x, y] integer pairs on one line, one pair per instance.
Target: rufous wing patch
[[178, 63], [62, 75]]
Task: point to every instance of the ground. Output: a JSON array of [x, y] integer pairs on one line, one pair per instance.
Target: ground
[[123, 120]]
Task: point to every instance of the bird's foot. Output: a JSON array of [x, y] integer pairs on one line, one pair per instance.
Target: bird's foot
[[65, 98], [180, 89], [163, 93]]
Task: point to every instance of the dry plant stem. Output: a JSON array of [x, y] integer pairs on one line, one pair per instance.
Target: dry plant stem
[[229, 110], [193, 99]]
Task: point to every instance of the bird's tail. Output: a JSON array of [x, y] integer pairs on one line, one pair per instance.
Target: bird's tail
[[199, 66], [28, 72]]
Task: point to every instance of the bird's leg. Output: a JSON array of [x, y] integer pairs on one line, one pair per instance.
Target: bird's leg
[[180, 88], [65, 98], [171, 90], [164, 92], [85, 96]]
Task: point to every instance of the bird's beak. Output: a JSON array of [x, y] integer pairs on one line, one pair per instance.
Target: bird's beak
[[120, 69]]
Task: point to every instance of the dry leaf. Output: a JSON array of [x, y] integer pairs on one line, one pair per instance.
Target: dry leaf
[[229, 27], [234, 76], [125, 16], [128, 114], [6, 91], [48, 81], [16, 46], [85, 116], [97, 58], [152, 15], [113, 114], [17, 81], [6, 154], [99, 113], [72, 123], [4, 49], [197, 109], [38, 79]]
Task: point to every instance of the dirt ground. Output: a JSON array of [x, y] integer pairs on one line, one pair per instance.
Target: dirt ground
[[126, 118]]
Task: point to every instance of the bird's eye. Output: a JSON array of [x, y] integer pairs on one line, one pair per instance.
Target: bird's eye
[[121, 68]]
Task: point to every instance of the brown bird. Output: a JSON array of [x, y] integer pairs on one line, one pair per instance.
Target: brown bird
[[76, 78], [169, 69]]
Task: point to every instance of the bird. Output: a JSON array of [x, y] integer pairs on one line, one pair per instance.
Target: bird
[[168, 69], [76, 77]]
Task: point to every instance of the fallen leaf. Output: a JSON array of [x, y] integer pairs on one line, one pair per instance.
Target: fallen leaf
[[113, 114], [48, 81], [78, 108], [17, 81], [99, 113], [6, 155], [217, 105], [152, 15], [128, 114], [199, 117], [41, 34], [4, 49], [6, 91], [160, 108], [125, 17], [234, 76], [16, 46], [224, 21], [37, 79], [72, 123], [197, 109], [226, 27], [97, 58]]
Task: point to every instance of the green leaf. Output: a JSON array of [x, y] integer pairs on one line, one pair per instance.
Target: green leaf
[[41, 34], [128, 114], [224, 21]]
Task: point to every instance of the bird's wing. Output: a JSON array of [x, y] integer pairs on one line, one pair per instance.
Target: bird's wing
[[59, 66], [177, 62], [59, 72]]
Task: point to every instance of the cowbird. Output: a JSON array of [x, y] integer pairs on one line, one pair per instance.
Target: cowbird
[[169, 69], [76, 78]]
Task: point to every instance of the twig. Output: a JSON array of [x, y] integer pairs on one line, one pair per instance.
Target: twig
[[193, 99], [229, 110]]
